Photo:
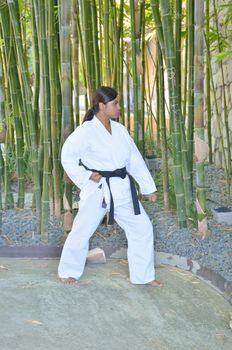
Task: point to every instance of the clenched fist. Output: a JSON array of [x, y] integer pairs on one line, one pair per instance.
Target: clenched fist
[[152, 197], [96, 177]]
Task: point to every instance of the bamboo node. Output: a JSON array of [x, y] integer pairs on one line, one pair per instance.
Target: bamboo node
[[201, 149]]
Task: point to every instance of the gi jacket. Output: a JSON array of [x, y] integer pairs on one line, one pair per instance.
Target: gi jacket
[[98, 149]]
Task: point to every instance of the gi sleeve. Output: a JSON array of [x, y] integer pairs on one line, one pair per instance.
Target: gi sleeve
[[137, 168], [72, 151]]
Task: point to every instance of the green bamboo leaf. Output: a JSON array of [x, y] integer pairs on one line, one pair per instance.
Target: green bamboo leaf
[[222, 55], [226, 6]]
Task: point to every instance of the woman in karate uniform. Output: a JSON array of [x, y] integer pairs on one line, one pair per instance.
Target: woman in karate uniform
[[100, 158]]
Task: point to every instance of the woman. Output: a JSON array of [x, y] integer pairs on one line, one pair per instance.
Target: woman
[[100, 158]]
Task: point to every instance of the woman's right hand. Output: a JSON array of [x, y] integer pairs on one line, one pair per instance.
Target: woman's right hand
[[96, 177]]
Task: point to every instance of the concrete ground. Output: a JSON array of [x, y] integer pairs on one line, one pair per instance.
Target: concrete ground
[[106, 312]]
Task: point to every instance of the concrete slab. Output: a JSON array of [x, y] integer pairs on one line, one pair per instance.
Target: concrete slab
[[162, 258], [223, 215], [106, 312]]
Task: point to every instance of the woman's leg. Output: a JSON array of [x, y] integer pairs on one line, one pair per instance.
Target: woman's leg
[[76, 247], [139, 233]]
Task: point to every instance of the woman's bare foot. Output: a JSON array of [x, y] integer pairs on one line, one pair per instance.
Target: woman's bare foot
[[69, 280], [155, 283]]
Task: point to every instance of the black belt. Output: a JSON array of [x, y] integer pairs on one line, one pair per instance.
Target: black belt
[[122, 174]]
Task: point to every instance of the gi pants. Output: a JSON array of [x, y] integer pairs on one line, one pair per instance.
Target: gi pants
[[138, 230]]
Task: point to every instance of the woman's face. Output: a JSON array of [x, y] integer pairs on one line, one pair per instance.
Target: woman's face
[[112, 108]]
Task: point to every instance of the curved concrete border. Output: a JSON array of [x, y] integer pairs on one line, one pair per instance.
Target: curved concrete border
[[213, 278], [39, 251], [183, 263]]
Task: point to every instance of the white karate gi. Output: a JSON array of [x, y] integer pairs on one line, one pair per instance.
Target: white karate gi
[[98, 149]]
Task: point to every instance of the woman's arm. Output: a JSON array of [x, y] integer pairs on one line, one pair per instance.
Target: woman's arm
[[137, 168], [72, 151]]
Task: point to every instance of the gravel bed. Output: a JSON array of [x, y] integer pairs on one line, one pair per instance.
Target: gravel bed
[[215, 252], [19, 228]]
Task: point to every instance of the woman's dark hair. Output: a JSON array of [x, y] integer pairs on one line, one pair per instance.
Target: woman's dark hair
[[103, 94]]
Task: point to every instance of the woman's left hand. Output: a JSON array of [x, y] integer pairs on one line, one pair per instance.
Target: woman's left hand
[[152, 197]]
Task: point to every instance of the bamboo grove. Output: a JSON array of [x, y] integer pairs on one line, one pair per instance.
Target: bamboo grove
[[152, 52]]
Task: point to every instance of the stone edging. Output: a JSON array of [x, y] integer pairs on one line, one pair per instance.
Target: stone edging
[[208, 275]]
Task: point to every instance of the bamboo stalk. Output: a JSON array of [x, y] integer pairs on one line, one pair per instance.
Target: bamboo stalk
[[100, 21], [55, 130], [158, 23], [115, 44], [207, 77], [186, 165], [26, 89], [149, 94], [142, 76], [2, 128], [75, 62], [199, 118], [111, 39], [82, 54], [128, 111], [1, 182], [36, 65], [121, 60], [2, 101], [95, 44], [218, 116], [67, 119], [134, 73], [184, 109], [66, 85], [45, 118], [106, 27], [163, 143], [91, 52], [226, 121], [9, 154], [15, 96], [190, 119], [158, 112], [175, 110], [178, 18], [87, 46]]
